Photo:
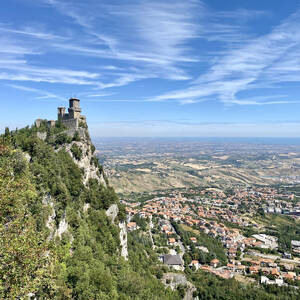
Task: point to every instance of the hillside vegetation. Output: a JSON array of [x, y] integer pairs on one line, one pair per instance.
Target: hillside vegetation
[[56, 240]]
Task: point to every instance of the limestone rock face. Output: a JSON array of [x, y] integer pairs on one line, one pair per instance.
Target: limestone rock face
[[90, 171], [176, 279], [27, 157], [112, 212], [50, 223], [123, 239], [62, 227], [86, 206], [85, 163], [41, 135]]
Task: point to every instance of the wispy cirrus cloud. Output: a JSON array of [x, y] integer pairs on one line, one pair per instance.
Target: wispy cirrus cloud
[[23, 72], [270, 58], [88, 95], [18, 59], [31, 32], [43, 94], [155, 35], [158, 40], [155, 39], [243, 15]]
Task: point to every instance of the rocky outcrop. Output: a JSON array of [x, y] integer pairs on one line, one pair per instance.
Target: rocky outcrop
[[86, 206], [189, 292], [123, 240], [173, 280], [90, 171], [41, 135], [112, 212], [62, 227], [85, 162], [27, 157], [50, 223]]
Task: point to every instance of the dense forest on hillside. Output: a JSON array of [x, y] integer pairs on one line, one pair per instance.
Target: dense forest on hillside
[[85, 263]]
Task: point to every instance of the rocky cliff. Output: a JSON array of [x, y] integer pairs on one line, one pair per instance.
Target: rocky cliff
[[81, 150]]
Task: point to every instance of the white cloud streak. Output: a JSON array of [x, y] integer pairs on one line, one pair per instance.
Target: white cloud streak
[[32, 32], [270, 58], [23, 72], [43, 94], [156, 35]]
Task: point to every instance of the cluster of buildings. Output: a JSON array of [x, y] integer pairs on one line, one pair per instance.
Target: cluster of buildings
[[217, 215]]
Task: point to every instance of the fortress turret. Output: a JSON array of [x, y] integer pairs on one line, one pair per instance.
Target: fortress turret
[[61, 113], [74, 108]]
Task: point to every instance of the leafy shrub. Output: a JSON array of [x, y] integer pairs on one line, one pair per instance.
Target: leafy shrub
[[19, 163], [76, 151], [76, 136], [83, 124], [93, 149], [62, 138]]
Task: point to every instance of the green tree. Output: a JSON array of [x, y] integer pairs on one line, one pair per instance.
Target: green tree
[[25, 263]]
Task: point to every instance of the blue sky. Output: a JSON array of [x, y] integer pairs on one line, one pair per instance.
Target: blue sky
[[154, 68]]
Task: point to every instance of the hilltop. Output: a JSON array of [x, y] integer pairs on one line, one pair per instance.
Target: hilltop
[[63, 230]]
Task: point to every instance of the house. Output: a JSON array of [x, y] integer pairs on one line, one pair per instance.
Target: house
[[289, 275], [266, 280], [230, 267], [275, 272], [172, 241], [265, 262], [232, 252], [205, 268], [193, 239], [173, 261], [287, 267], [253, 270], [131, 226], [241, 269], [266, 241], [195, 263], [296, 246], [214, 263]]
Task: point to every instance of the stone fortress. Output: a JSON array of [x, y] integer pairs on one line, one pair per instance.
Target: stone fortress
[[72, 120]]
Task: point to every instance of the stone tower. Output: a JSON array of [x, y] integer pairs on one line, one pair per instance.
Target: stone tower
[[74, 108], [61, 113]]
